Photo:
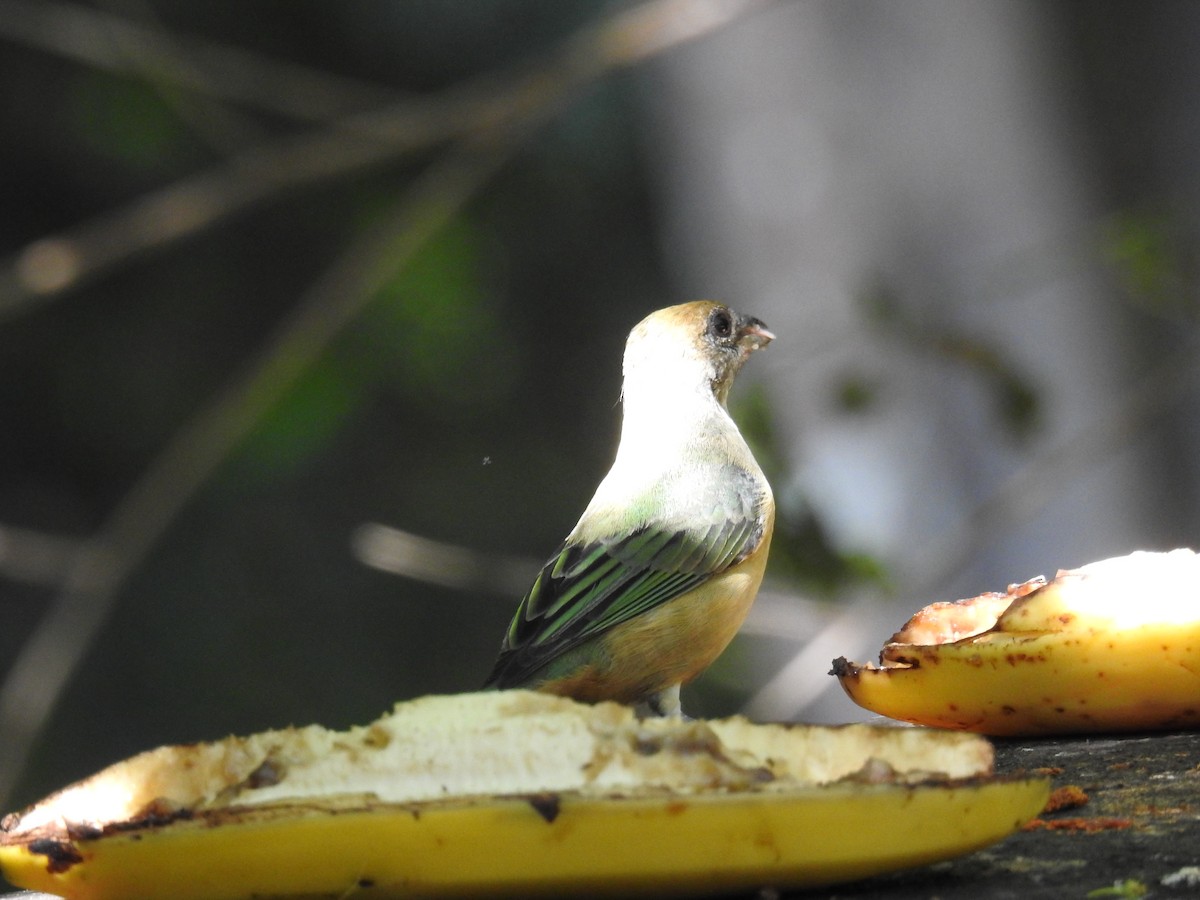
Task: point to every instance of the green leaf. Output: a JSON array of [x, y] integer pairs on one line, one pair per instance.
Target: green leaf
[[126, 121], [1130, 888], [305, 422], [1143, 249], [436, 332]]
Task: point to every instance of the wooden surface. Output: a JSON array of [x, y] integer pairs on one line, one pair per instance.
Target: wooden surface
[[1139, 825]]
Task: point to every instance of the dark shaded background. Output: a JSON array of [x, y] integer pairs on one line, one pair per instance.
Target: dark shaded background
[[473, 399]]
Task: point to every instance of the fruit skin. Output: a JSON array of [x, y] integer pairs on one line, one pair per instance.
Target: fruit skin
[[516, 793], [1022, 684], [1084, 653], [541, 845]]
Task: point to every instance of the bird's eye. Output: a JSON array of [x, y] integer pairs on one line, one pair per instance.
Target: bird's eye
[[720, 323]]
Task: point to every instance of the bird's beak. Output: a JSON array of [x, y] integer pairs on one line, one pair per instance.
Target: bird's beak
[[753, 333]]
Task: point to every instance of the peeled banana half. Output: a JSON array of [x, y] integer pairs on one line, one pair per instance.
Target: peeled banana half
[[516, 793], [1111, 646]]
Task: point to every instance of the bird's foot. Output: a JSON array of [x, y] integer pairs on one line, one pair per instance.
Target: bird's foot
[[662, 703]]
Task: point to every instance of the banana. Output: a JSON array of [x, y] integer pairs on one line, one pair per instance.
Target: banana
[[1111, 646], [515, 793]]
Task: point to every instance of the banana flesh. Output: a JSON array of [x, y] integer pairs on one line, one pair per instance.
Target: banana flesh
[[514, 793], [1112, 646]]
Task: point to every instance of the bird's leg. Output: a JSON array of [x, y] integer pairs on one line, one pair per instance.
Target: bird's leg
[[662, 703]]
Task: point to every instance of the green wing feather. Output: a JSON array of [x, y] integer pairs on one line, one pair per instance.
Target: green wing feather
[[588, 588]]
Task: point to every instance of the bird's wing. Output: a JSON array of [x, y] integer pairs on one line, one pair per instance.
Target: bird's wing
[[593, 586]]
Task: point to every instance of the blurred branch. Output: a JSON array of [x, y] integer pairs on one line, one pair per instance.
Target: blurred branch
[[116, 44], [59, 263], [46, 662], [34, 557], [164, 66], [438, 562]]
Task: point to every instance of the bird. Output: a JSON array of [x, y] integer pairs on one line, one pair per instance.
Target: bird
[[659, 573]]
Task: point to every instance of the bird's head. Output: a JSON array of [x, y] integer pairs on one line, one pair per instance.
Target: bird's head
[[697, 346]]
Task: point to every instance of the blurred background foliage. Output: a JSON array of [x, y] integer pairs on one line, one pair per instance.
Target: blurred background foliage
[[472, 399]]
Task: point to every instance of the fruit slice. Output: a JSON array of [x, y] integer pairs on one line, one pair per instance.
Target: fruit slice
[[1112, 646], [513, 793]]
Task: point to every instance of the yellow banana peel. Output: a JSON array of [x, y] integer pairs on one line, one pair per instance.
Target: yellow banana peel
[[513, 793], [1111, 646]]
